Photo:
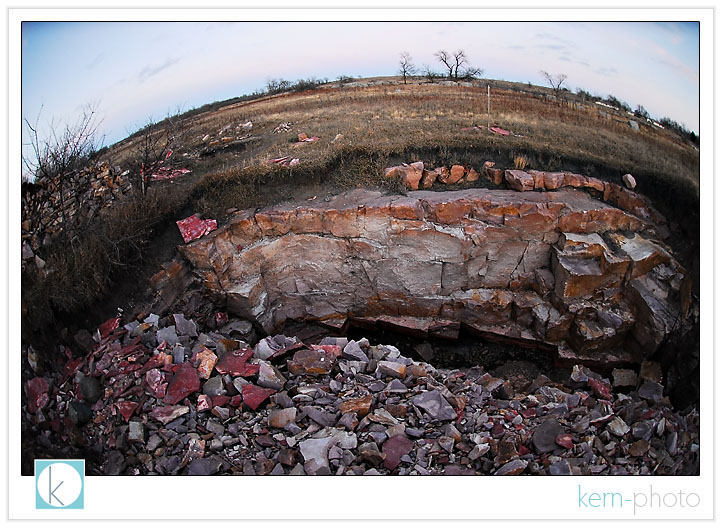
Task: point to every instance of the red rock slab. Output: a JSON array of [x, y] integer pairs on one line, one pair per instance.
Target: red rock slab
[[37, 390], [193, 227], [168, 413], [553, 180], [254, 396], [600, 389], [185, 382], [428, 179], [313, 362], [235, 363], [126, 409], [394, 448], [472, 176], [538, 179], [411, 177], [413, 326], [574, 180], [360, 406], [519, 180], [108, 327], [456, 174], [565, 440], [445, 330], [221, 400], [330, 350]]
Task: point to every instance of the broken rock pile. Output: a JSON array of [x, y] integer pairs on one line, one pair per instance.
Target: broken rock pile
[[163, 396], [50, 205]]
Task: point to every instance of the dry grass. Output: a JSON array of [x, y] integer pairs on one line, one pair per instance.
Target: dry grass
[[380, 125]]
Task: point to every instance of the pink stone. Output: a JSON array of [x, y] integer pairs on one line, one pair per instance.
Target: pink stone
[[234, 362], [394, 448], [254, 396], [206, 361], [600, 389], [155, 380], [184, 383], [193, 227], [168, 413], [565, 440], [204, 403], [126, 409], [221, 319], [37, 391], [333, 351]]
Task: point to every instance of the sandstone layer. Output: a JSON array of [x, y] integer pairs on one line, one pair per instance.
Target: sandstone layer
[[554, 269]]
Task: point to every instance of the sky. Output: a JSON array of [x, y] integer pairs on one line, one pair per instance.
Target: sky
[[136, 71]]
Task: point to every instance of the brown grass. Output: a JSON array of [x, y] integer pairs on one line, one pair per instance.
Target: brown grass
[[381, 125]]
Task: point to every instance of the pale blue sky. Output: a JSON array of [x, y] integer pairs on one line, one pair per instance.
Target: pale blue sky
[[141, 69]]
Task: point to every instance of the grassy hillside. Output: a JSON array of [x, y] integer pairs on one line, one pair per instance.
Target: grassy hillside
[[380, 125]]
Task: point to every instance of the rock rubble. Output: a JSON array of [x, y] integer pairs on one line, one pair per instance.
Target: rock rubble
[[340, 407]]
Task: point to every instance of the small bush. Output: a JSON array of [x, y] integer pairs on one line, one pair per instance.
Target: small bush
[[521, 162]]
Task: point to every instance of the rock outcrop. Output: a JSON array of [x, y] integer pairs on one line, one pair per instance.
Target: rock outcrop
[[560, 270]]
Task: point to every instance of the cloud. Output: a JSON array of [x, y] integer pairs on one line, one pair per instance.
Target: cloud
[[607, 72], [97, 60], [149, 71]]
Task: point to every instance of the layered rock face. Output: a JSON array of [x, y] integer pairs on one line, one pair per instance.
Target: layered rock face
[[559, 269]]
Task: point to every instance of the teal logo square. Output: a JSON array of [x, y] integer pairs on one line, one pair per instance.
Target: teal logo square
[[59, 484]]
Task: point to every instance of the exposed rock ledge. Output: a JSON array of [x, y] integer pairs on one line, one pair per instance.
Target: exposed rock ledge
[[560, 269]]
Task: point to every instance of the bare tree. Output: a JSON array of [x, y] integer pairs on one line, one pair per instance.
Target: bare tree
[[154, 148], [555, 81], [457, 65], [430, 75], [406, 67], [472, 72], [446, 59], [54, 158]]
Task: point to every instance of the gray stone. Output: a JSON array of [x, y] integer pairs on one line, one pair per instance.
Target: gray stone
[[392, 368], [353, 352], [136, 431], [90, 388], [153, 443], [643, 430], [514, 467], [369, 452], [651, 390], [214, 387], [280, 418], [282, 399], [270, 377], [478, 451], [624, 378], [434, 403], [322, 418], [79, 413], [617, 426], [167, 334], [185, 327], [297, 470], [395, 386], [628, 179], [315, 453], [545, 435], [560, 468]]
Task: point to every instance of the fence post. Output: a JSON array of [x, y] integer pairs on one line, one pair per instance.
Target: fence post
[[488, 106]]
